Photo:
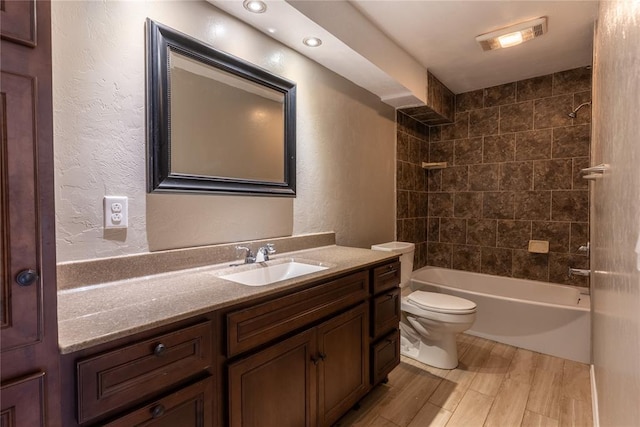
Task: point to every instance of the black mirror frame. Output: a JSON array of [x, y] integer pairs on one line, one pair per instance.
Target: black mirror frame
[[162, 39]]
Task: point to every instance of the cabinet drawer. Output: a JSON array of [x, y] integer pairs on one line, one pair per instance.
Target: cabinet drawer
[[191, 406], [385, 355], [386, 277], [128, 375], [262, 323], [385, 312]]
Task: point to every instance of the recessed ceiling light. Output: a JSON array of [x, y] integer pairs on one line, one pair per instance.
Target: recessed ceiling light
[[255, 6], [513, 35], [312, 41], [271, 30]]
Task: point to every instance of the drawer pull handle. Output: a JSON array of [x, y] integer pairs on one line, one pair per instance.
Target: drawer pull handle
[[157, 411], [389, 341], [159, 350], [390, 295], [322, 356], [390, 267]]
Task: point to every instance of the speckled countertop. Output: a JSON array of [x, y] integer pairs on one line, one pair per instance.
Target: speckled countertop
[[100, 313]]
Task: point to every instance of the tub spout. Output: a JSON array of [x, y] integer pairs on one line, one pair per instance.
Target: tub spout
[[578, 272]]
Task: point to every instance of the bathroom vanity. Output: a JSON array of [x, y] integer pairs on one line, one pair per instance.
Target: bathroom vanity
[[190, 348]]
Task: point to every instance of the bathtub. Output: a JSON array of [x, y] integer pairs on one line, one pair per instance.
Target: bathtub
[[538, 316]]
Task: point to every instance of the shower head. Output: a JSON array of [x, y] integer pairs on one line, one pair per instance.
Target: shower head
[[574, 113]]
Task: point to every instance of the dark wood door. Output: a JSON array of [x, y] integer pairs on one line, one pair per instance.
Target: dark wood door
[[275, 387], [27, 248], [343, 372]]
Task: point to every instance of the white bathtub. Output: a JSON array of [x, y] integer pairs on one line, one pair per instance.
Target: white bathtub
[[538, 316]]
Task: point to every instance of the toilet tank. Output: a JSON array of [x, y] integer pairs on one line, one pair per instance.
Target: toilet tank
[[405, 250]]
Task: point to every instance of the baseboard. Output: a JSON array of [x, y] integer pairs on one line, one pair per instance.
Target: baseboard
[[594, 398]]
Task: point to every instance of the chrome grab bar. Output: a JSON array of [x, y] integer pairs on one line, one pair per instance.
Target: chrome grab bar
[[578, 272], [601, 168]]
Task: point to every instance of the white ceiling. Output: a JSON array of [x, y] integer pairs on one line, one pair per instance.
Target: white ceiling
[[441, 36], [386, 46]]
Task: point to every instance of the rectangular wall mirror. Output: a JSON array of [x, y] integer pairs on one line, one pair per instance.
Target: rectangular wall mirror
[[216, 124]]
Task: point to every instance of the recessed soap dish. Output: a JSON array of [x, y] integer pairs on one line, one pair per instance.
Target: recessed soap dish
[[539, 246]]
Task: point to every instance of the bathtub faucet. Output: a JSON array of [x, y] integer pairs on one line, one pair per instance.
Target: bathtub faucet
[[578, 272]]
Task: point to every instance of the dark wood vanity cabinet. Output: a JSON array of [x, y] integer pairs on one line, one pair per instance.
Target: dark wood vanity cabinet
[[310, 379], [385, 319], [301, 357], [319, 368]]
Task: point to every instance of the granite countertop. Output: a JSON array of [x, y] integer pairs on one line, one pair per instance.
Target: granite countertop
[[96, 314]]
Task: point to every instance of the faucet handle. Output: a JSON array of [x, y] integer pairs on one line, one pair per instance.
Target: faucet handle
[[271, 249], [248, 256]]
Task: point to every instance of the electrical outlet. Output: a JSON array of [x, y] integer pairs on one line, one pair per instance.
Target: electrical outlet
[[115, 212]]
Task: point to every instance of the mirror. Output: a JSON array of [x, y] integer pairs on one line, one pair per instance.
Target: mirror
[[216, 124]]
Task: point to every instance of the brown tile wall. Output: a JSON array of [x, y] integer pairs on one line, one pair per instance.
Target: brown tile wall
[[514, 160], [411, 185]]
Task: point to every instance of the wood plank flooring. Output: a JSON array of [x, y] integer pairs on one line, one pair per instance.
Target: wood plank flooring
[[495, 385]]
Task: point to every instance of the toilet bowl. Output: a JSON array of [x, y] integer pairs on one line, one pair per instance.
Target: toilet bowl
[[430, 322]]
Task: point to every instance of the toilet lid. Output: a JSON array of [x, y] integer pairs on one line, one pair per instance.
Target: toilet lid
[[441, 303]]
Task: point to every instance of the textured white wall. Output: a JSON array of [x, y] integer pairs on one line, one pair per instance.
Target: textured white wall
[[615, 213], [345, 140]]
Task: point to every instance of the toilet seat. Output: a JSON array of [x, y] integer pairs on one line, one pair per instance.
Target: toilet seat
[[441, 303]]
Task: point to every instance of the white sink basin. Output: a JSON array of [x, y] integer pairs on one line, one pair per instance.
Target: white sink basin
[[261, 276]]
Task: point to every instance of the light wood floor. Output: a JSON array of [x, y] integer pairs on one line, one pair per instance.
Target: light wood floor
[[494, 385]]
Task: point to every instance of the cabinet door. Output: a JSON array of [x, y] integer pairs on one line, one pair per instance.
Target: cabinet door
[[343, 371], [188, 407], [275, 387]]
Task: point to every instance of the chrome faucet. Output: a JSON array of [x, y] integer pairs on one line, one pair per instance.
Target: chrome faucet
[[264, 252], [249, 258]]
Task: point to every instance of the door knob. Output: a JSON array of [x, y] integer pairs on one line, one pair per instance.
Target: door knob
[[27, 277]]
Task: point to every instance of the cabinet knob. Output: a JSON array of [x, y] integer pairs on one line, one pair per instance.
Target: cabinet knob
[[318, 358], [157, 411], [27, 277], [159, 349]]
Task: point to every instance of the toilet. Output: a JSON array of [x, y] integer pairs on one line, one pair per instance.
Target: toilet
[[430, 321]]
